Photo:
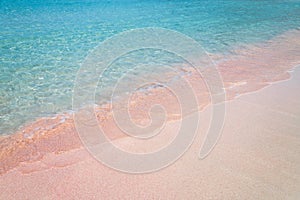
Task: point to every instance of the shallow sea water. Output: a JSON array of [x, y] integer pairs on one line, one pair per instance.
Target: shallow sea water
[[43, 43]]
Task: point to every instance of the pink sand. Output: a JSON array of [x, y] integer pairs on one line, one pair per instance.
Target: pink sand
[[256, 158]]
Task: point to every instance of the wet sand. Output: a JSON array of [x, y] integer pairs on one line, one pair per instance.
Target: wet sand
[[256, 157]]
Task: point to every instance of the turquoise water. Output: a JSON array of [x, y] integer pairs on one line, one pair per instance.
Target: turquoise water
[[43, 43]]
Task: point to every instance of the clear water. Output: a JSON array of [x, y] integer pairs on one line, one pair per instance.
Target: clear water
[[43, 43]]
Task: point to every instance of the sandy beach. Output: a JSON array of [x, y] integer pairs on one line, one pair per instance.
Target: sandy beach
[[257, 156]]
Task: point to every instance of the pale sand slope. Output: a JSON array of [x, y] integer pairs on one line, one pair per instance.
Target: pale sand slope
[[257, 157]]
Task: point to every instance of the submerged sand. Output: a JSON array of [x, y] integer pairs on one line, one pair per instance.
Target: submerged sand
[[257, 156]]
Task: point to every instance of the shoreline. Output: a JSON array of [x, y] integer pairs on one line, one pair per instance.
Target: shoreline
[[58, 135], [258, 149], [217, 58]]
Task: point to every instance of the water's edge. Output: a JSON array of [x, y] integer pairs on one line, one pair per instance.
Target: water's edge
[[248, 70]]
